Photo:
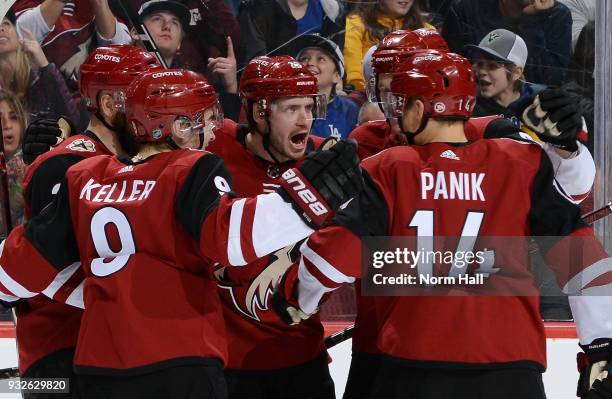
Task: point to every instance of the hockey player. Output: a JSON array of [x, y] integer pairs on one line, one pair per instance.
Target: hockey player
[[47, 330], [281, 102], [461, 346], [152, 324], [575, 174]]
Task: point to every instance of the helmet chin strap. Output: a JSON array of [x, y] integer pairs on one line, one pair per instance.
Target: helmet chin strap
[[201, 145], [411, 135], [172, 143], [266, 140], [103, 121]]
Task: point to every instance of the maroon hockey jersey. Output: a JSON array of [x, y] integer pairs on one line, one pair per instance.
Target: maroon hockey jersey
[[372, 138], [255, 332], [143, 232], [375, 136], [512, 193], [45, 326]]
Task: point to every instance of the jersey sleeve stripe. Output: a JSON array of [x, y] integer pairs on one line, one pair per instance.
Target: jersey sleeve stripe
[[9, 299], [64, 292], [246, 230], [310, 289], [577, 283], [61, 278], [275, 225], [325, 267], [76, 297], [234, 248], [13, 286]]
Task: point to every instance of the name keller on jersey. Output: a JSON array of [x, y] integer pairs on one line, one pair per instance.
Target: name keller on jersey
[[123, 191], [452, 185]]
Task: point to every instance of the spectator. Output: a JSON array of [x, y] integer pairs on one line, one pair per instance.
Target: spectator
[[582, 82], [545, 25], [210, 23], [38, 84], [68, 29], [12, 117], [324, 59], [499, 61], [168, 22], [369, 24], [269, 26], [583, 12]]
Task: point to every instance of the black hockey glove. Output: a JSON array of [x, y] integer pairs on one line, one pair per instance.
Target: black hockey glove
[[594, 365], [44, 133], [324, 181], [284, 299], [556, 117]]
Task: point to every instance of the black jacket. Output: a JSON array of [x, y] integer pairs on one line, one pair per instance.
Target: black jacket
[[266, 25], [548, 35]]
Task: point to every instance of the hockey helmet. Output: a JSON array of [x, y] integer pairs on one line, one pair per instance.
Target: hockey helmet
[[444, 82], [113, 68], [156, 100], [266, 79], [395, 48]]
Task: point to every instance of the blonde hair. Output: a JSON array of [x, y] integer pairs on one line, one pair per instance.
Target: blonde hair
[[18, 82]]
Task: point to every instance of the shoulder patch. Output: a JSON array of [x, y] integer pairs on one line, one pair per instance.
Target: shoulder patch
[[82, 145]]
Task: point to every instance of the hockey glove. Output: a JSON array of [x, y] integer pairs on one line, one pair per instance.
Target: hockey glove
[[594, 364], [44, 133], [325, 180], [556, 117], [284, 299]]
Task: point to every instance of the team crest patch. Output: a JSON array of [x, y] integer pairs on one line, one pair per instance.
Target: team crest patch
[[82, 145]]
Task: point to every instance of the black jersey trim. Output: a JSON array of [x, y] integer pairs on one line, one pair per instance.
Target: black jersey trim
[[199, 194], [51, 231], [314, 363], [47, 174], [51, 361], [552, 216], [175, 362], [430, 364]]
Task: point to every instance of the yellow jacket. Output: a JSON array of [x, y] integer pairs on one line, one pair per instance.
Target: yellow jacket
[[357, 42]]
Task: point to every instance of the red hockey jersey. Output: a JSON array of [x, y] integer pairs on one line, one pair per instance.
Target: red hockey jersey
[[143, 231], [375, 136], [515, 195], [575, 176], [46, 326], [372, 138], [255, 332]]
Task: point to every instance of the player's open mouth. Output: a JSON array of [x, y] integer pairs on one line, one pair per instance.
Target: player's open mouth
[[299, 139]]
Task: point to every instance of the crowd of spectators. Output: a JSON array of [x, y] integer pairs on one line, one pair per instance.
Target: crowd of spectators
[[517, 47]]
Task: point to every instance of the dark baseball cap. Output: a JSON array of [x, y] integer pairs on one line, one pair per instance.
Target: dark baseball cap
[[504, 46], [173, 7], [314, 40]]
